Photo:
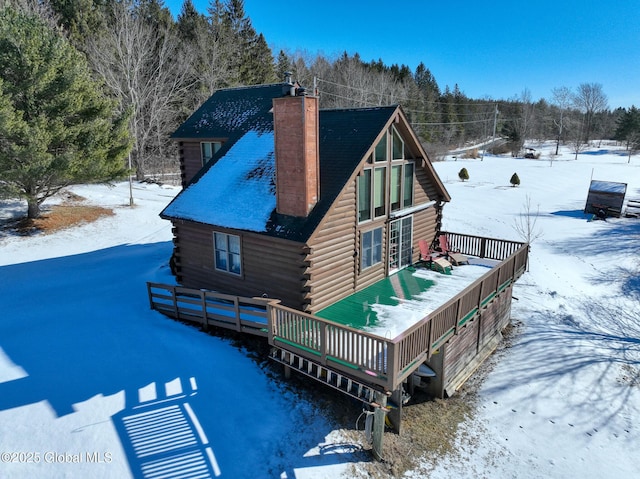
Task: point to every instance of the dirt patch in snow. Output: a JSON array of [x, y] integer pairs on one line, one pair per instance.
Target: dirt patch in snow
[[58, 217]]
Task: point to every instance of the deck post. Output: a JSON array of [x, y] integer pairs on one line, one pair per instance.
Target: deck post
[[395, 414], [379, 416], [203, 304]]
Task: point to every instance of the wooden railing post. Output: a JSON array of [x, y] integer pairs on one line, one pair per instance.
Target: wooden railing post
[[203, 302], [176, 310], [236, 310], [392, 360], [323, 342], [271, 323]]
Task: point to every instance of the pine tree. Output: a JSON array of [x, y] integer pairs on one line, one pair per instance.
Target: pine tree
[[283, 65], [463, 174], [628, 128], [427, 104], [56, 126], [190, 23], [251, 57], [515, 181]]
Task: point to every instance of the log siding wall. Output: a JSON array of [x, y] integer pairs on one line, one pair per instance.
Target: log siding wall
[[271, 267], [190, 160]]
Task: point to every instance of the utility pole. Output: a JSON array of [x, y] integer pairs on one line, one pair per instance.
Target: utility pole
[[495, 124], [493, 137], [130, 183]]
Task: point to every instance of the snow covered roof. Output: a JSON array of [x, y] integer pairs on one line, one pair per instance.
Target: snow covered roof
[[237, 192], [608, 187]]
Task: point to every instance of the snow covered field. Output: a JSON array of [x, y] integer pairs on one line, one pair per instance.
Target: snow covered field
[[94, 384]]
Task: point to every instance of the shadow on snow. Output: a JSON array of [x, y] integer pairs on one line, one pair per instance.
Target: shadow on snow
[[81, 329]]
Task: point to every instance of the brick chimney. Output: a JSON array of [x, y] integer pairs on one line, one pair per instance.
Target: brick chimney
[[295, 122]]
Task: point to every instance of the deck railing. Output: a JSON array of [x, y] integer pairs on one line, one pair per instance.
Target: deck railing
[[248, 315], [420, 340], [481, 247], [382, 361], [358, 353]]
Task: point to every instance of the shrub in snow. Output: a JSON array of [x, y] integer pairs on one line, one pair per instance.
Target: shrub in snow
[[463, 174], [515, 181]]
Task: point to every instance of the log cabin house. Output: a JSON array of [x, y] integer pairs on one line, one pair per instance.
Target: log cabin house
[[287, 209]]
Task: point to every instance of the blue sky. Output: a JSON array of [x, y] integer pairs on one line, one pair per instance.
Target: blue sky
[[490, 49]]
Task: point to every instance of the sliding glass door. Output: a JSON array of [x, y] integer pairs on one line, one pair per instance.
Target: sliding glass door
[[400, 240]]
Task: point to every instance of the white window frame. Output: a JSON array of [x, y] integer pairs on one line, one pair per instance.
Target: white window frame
[[370, 250], [226, 249]]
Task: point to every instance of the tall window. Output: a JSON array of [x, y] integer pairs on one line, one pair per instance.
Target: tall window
[[209, 148], [397, 146], [386, 180], [364, 196], [401, 186], [408, 185], [379, 183], [227, 253], [371, 248], [380, 153], [396, 186]]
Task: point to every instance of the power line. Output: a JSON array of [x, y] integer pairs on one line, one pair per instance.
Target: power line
[[366, 91], [488, 120]]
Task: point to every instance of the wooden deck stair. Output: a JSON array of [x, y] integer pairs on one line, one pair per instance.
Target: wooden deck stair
[[343, 383]]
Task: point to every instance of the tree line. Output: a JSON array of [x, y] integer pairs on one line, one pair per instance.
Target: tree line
[[153, 70]]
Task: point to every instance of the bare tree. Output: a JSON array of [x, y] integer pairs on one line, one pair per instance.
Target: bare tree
[[519, 128], [590, 99], [575, 125], [143, 66], [562, 98], [526, 224]]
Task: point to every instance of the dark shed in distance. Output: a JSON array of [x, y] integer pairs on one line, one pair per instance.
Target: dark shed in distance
[[607, 196]]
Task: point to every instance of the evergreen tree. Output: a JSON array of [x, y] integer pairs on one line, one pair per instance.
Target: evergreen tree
[[459, 100], [515, 181], [251, 58], [190, 23], [427, 103], [463, 174], [283, 65], [153, 12], [448, 117], [56, 126], [628, 128], [80, 18]]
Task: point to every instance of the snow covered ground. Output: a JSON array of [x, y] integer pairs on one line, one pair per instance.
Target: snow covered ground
[[94, 384]]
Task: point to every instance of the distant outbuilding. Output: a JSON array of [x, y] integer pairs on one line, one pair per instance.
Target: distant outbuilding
[[605, 198]]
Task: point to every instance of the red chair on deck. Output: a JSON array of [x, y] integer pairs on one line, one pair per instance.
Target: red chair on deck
[[433, 259], [455, 257]]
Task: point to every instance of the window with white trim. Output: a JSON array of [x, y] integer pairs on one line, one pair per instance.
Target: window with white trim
[[227, 253], [371, 248]]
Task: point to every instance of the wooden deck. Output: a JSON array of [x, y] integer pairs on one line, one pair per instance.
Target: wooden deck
[[382, 362]]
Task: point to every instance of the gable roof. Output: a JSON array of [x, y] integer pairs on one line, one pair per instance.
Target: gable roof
[[237, 189]]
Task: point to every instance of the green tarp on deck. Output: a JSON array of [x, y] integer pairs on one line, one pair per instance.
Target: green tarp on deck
[[356, 310]]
